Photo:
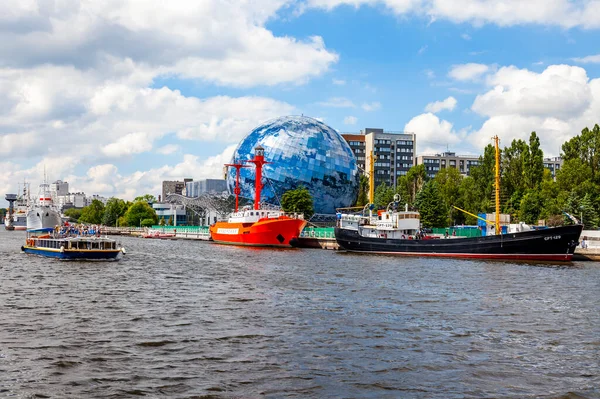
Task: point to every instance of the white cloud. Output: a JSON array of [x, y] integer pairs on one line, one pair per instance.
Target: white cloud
[[432, 133], [374, 106], [556, 103], [168, 149], [563, 13], [437, 106], [338, 82], [560, 90], [467, 72], [220, 41], [590, 59], [350, 120], [337, 102], [465, 36], [422, 50], [132, 143]]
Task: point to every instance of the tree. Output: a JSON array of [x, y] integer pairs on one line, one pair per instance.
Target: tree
[[147, 222], [415, 179], [404, 190], [469, 199], [92, 213], [431, 207], [383, 196], [533, 163], [513, 167], [74, 214], [363, 191], [448, 181], [553, 199], [572, 174], [585, 147], [531, 207], [137, 212], [298, 201], [114, 209], [588, 212], [146, 198], [483, 175]]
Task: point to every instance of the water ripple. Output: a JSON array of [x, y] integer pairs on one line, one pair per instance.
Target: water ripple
[[193, 320]]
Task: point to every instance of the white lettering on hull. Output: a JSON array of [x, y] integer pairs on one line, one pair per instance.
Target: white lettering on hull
[[221, 230]]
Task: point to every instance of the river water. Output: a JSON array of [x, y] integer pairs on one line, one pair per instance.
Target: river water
[[186, 319]]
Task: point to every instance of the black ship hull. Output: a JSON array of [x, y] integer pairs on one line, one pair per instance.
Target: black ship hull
[[552, 244]]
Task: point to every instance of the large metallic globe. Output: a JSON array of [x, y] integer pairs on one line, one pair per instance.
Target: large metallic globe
[[304, 152]]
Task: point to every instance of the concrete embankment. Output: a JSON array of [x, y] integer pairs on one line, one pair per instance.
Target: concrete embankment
[[162, 232], [589, 246]]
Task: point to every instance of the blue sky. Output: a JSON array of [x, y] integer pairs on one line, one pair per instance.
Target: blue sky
[[116, 96]]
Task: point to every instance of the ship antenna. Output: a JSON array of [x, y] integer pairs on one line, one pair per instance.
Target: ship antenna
[[497, 178]]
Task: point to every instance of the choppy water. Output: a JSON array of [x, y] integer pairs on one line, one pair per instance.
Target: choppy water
[[183, 319]]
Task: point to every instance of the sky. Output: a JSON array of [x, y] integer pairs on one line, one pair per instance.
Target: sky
[[116, 96]]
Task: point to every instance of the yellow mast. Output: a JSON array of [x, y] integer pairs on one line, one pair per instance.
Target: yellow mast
[[497, 221], [372, 178]]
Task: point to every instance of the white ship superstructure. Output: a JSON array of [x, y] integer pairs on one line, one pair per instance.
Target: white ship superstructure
[[42, 213], [19, 215]]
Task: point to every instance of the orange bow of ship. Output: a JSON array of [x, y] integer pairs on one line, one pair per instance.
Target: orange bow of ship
[[270, 231]]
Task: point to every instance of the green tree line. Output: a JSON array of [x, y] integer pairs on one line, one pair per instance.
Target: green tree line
[[117, 212], [528, 190]]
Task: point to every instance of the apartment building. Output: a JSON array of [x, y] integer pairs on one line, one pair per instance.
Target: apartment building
[[394, 153], [434, 163], [554, 164]]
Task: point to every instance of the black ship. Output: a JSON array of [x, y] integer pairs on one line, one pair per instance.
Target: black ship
[[399, 232], [551, 244]]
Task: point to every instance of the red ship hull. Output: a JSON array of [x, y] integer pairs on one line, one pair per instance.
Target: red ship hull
[[267, 232]]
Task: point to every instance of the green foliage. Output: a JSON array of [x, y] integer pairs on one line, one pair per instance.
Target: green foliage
[[483, 175], [114, 209], [431, 207], [363, 191], [146, 198], [416, 179], [383, 196], [73, 214], [469, 200], [92, 213], [513, 166], [585, 147], [137, 212], [530, 207], [572, 174], [147, 222], [298, 201], [533, 163], [448, 181]]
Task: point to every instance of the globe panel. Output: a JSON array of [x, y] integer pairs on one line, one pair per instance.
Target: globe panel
[[303, 152]]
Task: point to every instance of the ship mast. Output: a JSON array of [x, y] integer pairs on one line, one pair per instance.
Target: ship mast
[[258, 161], [497, 181], [372, 178], [237, 190]]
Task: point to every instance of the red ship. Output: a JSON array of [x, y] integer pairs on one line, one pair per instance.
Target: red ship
[[257, 227]]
